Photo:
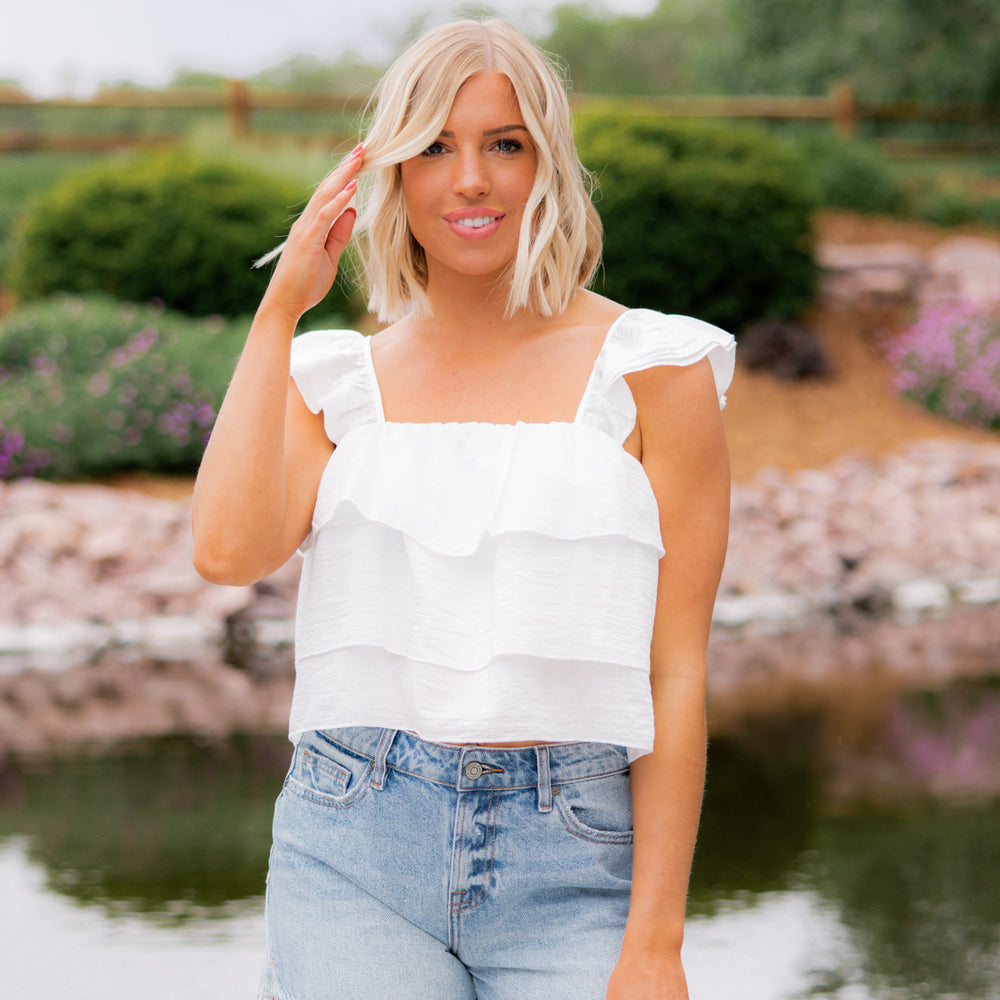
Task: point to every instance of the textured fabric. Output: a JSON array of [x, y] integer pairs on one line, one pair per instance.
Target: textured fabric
[[485, 582], [407, 870]]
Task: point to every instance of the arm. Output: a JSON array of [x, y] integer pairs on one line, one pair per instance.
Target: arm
[[684, 454], [257, 484]]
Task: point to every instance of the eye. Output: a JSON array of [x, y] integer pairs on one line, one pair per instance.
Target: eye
[[508, 145], [434, 149]]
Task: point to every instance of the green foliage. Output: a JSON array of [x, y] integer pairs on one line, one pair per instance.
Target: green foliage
[[705, 220], [679, 47], [935, 50], [90, 386], [172, 227], [851, 174], [22, 177], [346, 75]]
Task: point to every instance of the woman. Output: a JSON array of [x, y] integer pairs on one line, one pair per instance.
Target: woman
[[512, 504]]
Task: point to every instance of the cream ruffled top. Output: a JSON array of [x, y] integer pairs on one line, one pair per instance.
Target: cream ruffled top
[[476, 582]]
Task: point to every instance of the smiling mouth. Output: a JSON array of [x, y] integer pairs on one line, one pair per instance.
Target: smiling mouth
[[478, 222]]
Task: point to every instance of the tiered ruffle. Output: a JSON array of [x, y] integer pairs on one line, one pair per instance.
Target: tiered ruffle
[[485, 582]]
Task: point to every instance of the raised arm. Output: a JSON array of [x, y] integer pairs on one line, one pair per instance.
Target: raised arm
[[257, 484], [685, 456]]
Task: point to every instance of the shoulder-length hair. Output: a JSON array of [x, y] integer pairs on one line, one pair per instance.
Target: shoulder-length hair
[[559, 244]]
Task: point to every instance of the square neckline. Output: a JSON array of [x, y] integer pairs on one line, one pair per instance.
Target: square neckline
[[587, 391]]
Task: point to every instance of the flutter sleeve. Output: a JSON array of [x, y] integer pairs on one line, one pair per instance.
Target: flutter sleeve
[[331, 369], [644, 338]]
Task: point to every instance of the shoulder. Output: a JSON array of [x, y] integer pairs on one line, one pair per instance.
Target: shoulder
[[331, 371], [316, 345], [657, 349]]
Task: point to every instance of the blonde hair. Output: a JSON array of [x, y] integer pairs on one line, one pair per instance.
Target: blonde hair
[[559, 244]]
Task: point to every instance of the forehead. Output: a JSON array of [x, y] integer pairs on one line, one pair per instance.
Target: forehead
[[485, 95]]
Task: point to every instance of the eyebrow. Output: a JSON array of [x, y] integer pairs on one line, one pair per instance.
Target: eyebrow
[[492, 131]]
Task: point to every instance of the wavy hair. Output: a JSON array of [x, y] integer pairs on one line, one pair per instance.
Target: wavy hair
[[559, 244]]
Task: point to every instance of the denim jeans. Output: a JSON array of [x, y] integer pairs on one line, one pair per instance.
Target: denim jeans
[[409, 870]]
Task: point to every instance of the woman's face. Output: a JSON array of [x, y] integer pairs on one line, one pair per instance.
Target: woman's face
[[465, 194]]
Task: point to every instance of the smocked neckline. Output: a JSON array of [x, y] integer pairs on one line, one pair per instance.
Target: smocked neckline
[[588, 390]]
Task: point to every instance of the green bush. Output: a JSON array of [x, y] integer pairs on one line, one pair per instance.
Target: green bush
[[851, 174], [172, 227], [91, 386], [701, 219], [22, 177]]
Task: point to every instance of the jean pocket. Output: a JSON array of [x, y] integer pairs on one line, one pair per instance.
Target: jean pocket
[[597, 809], [327, 773]]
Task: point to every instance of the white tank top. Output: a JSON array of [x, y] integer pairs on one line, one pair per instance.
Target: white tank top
[[477, 582]]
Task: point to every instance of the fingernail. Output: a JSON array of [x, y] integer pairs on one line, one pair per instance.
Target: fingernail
[[357, 149], [351, 185]]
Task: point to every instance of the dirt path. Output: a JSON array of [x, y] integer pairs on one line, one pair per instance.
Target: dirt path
[[808, 424]]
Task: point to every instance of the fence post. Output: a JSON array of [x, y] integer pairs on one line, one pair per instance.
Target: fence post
[[845, 108], [238, 106]]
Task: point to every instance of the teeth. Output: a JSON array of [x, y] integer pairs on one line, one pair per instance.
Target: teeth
[[478, 222]]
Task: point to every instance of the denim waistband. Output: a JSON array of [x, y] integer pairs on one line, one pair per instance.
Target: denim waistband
[[475, 768]]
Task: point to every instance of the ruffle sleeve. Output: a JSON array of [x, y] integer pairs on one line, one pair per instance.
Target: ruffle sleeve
[[641, 339], [331, 370]]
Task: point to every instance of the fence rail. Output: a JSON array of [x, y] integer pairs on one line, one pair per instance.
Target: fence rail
[[239, 106]]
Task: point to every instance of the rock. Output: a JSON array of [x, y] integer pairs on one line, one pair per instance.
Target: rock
[[885, 272], [898, 274], [965, 267], [786, 350], [920, 595]]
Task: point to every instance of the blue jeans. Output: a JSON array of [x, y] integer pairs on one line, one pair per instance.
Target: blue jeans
[[409, 870]]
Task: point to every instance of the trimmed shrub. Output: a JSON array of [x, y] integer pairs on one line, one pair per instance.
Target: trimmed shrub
[[701, 219], [949, 362], [172, 227]]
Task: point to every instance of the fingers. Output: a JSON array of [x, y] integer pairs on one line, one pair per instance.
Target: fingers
[[340, 233], [332, 197], [342, 176]]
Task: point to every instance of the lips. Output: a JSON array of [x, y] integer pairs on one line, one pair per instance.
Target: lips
[[474, 224]]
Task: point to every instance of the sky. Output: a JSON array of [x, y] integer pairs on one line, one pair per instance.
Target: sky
[[69, 47]]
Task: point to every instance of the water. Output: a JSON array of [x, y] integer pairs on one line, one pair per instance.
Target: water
[[852, 855]]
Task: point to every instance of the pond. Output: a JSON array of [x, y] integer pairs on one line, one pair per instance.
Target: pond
[[848, 854]]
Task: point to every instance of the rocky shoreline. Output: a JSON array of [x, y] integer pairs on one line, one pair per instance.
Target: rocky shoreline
[[107, 632]]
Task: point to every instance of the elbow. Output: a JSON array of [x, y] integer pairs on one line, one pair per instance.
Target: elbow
[[232, 569]]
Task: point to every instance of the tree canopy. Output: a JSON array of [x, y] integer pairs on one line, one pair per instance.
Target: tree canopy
[[889, 49]]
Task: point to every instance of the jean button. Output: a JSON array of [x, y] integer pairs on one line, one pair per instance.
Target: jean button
[[473, 770]]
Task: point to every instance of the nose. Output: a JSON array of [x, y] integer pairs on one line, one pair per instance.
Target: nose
[[471, 178]]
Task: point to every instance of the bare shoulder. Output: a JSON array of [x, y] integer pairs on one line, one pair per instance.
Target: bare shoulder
[[588, 309]]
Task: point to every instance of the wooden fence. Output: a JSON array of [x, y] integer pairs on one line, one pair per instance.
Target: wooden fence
[[843, 108]]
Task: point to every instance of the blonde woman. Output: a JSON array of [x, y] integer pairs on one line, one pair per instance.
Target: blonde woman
[[512, 507]]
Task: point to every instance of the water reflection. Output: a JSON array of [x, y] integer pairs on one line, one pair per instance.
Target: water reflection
[[917, 889], [849, 855], [167, 828]]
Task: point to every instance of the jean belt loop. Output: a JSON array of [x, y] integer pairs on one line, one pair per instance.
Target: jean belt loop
[[381, 750], [544, 779]]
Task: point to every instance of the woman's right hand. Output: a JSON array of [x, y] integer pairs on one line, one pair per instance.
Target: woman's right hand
[[308, 263]]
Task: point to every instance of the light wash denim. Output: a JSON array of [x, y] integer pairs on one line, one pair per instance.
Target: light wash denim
[[409, 870]]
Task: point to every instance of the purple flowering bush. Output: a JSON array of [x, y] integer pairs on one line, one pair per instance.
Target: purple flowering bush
[[91, 386], [949, 362]]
